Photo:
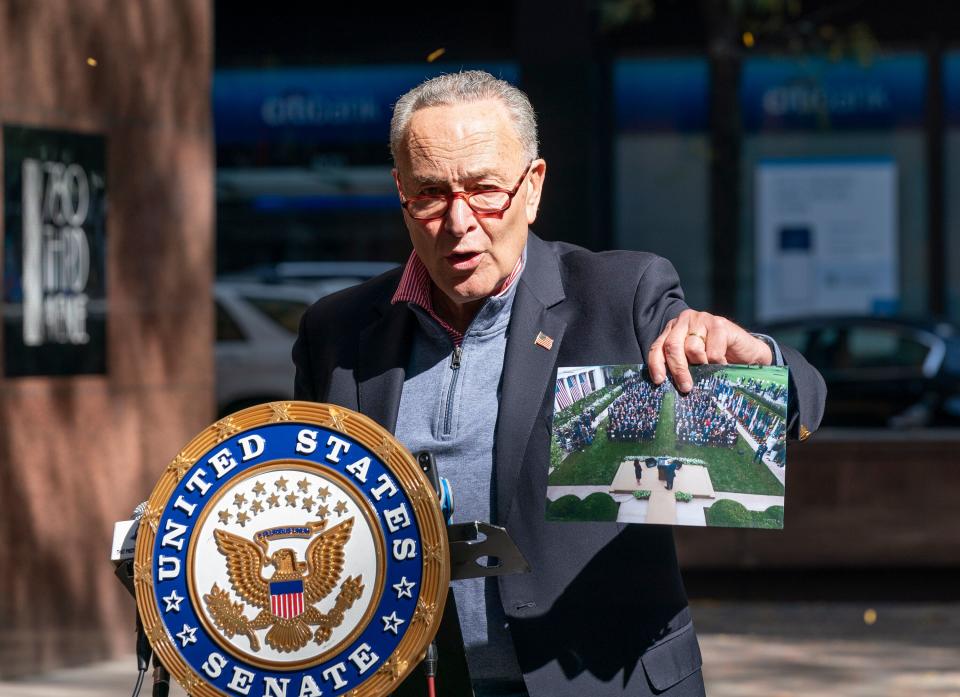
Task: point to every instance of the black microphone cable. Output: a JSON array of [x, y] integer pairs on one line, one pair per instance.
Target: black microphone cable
[[144, 650]]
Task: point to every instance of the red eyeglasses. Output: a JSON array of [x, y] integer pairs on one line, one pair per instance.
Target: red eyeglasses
[[485, 202]]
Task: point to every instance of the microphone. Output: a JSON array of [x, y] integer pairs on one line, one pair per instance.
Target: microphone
[[122, 553], [125, 537], [144, 649]]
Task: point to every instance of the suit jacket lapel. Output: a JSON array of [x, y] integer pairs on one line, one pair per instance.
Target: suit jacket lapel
[[382, 361], [527, 367]]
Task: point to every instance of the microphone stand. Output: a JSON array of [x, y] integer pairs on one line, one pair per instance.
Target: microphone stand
[[429, 466], [469, 544], [124, 544]]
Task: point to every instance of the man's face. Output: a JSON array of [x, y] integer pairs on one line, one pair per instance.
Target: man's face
[[468, 147]]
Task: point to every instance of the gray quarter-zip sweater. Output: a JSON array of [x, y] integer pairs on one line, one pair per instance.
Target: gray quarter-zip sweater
[[449, 406]]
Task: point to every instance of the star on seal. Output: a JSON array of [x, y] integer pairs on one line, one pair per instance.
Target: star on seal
[[391, 623], [187, 635], [403, 588], [173, 601]]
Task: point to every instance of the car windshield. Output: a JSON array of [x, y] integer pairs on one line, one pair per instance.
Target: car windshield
[[227, 328], [282, 311]]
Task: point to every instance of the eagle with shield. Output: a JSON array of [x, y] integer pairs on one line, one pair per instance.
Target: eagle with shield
[[286, 599]]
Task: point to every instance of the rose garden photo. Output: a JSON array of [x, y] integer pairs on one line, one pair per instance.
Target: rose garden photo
[[626, 450]]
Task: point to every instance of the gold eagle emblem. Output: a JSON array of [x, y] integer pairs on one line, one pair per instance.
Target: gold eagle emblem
[[319, 574]]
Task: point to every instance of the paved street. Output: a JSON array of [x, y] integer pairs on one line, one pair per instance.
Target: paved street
[[750, 649]]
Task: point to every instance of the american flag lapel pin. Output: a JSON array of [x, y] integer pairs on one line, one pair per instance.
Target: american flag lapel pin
[[543, 341]]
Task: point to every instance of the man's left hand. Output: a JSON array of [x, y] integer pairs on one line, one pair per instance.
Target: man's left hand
[[695, 338]]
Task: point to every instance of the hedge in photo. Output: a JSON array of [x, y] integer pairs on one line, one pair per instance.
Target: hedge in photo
[[728, 513], [596, 506]]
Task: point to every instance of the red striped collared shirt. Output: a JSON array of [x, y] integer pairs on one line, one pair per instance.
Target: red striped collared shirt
[[416, 284]]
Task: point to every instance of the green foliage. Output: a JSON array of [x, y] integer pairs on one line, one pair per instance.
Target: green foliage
[[598, 399], [596, 506], [618, 372], [642, 494], [556, 454], [683, 496], [727, 513], [564, 508], [732, 514], [599, 506], [772, 518]]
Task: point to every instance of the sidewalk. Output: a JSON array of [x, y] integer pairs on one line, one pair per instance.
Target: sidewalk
[[108, 679], [787, 649], [750, 649]]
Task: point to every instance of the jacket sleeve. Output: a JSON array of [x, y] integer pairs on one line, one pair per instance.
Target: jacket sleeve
[[807, 398], [659, 298]]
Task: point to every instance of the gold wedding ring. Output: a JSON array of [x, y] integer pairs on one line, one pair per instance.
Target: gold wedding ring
[[699, 336]]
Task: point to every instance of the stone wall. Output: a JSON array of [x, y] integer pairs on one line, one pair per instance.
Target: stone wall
[[860, 499], [78, 453]]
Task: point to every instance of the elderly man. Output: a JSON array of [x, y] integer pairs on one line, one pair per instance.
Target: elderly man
[[458, 354]]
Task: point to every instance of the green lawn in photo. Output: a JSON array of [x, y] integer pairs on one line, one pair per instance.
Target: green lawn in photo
[[766, 374], [731, 469]]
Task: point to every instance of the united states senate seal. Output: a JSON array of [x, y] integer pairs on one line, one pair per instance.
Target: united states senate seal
[[292, 549]]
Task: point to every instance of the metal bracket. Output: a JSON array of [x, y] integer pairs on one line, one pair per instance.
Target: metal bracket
[[481, 549]]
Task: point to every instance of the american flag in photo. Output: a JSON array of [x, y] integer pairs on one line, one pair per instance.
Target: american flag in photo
[[563, 395], [574, 386]]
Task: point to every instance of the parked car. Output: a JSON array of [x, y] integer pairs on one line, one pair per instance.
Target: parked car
[[889, 372], [258, 313], [256, 327], [325, 276]]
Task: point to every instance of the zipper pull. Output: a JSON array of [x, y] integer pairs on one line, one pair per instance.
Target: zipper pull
[[455, 357]]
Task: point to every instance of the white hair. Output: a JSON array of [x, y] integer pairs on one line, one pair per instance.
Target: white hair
[[463, 88]]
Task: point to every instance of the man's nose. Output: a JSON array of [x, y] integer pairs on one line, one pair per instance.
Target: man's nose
[[459, 217]]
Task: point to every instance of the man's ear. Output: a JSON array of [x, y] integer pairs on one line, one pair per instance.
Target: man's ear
[[396, 180], [538, 172]]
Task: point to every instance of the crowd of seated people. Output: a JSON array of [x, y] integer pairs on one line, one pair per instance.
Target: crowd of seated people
[[578, 433], [722, 389], [700, 421], [635, 412]]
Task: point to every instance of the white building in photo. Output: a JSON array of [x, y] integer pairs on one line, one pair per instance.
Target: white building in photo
[[575, 383]]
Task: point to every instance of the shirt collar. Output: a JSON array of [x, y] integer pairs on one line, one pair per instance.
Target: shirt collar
[[416, 285]]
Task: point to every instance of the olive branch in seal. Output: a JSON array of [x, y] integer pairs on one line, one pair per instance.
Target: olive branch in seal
[[229, 616]]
